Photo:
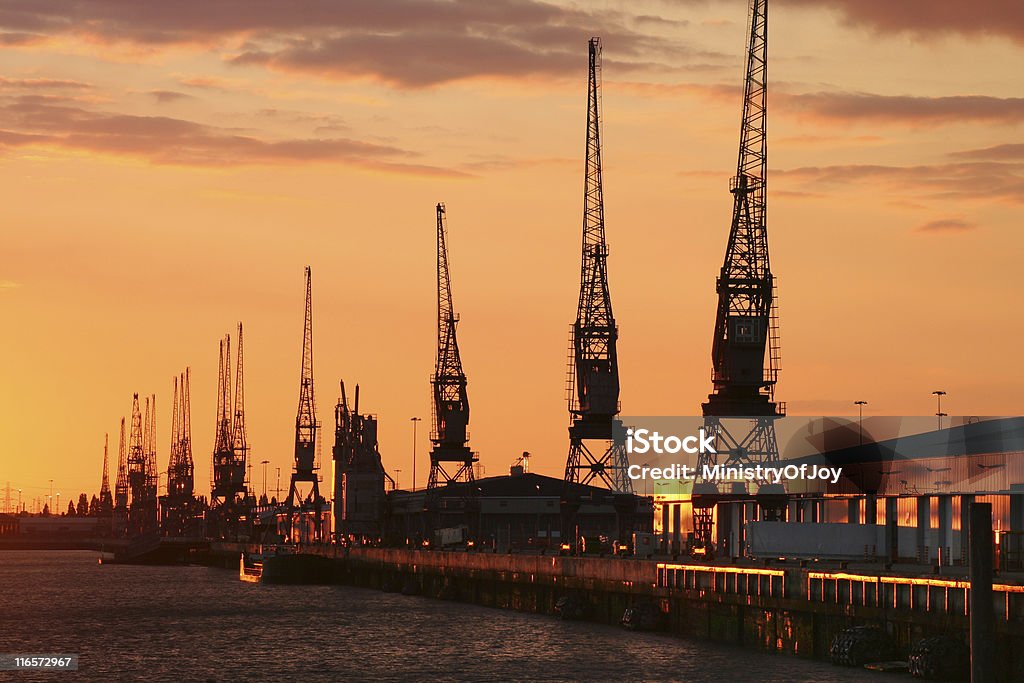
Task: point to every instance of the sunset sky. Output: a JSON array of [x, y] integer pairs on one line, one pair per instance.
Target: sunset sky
[[168, 169]]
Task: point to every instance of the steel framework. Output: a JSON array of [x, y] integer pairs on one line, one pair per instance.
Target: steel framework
[[120, 519], [228, 474], [593, 376], [106, 503], [307, 427], [745, 348], [141, 490], [450, 433]]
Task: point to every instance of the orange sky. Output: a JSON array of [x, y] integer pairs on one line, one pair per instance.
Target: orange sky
[[168, 170]]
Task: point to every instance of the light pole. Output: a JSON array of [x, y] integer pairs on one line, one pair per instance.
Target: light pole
[[19, 501], [414, 420], [49, 500], [645, 465], [397, 471], [938, 408], [277, 493], [58, 502], [264, 463], [860, 418]]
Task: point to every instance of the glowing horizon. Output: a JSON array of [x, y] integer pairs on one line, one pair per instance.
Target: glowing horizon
[[171, 170]]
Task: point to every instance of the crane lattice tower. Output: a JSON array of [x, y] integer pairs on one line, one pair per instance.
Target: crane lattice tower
[[741, 410], [593, 377], [451, 459]]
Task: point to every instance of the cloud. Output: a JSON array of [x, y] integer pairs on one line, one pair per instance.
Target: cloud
[[926, 18], [7, 285], [48, 122], [406, 43], [922, 18], [42, 84], [843, 108], [968, 180], [946, 225], [1007, 152], [167, 96]]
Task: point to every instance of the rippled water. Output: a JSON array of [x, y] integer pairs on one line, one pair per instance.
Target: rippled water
[[199, 624]]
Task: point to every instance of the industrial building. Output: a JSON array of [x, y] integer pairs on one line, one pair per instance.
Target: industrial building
[[518, 512]]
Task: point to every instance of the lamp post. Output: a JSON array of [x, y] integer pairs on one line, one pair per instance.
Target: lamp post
[[645, 465], [414, 420], [860, 418], [58, 502], [277, 493], [938, 394], [397, 471], [264, 463]]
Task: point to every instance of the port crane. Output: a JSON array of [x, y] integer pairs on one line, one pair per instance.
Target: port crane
[[593, 375], [741, 410]]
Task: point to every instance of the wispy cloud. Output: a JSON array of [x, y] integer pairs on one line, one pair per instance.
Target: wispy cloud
[[1007, 152], [168, 96], [844, 108], [405, 43], [946, 226], [968, 180], [6, 285], [49, 122], [925, 19]]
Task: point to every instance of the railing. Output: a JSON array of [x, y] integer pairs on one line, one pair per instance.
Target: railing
[[943, 596], [724, 580]]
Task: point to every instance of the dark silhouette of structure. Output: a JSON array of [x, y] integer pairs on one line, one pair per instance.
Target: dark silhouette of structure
[[106, 500], [450, 434], [120, 517], [178, 507], [305, 470], [745, 349], [142, 509], [593, 377], [229, 495], [359, 498]]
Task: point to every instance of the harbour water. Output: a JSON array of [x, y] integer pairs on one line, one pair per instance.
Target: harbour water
[[203, 624]]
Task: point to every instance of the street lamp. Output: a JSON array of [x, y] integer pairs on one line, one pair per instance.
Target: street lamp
[[397, 471], [645, 465], [277, 493], [414, 420], [938, 407], [19, 501], [860, 420], [264, 463]]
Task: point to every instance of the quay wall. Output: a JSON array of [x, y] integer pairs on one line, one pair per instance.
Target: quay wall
[[783, 608]]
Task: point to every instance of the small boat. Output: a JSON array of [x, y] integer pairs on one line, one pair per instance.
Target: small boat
[[250, 569], [281, 564]]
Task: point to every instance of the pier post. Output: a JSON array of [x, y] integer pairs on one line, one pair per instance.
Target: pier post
[[677, 510], [892, 528], [665, 529], [924, 524], [737, 530], [945, 541], [982, 612], [965, 523], [871, 509], [853, 511]]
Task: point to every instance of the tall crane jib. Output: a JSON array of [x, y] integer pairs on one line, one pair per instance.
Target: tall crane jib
[[745, 348], [593, 389], [450, 434], [307, 427]]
